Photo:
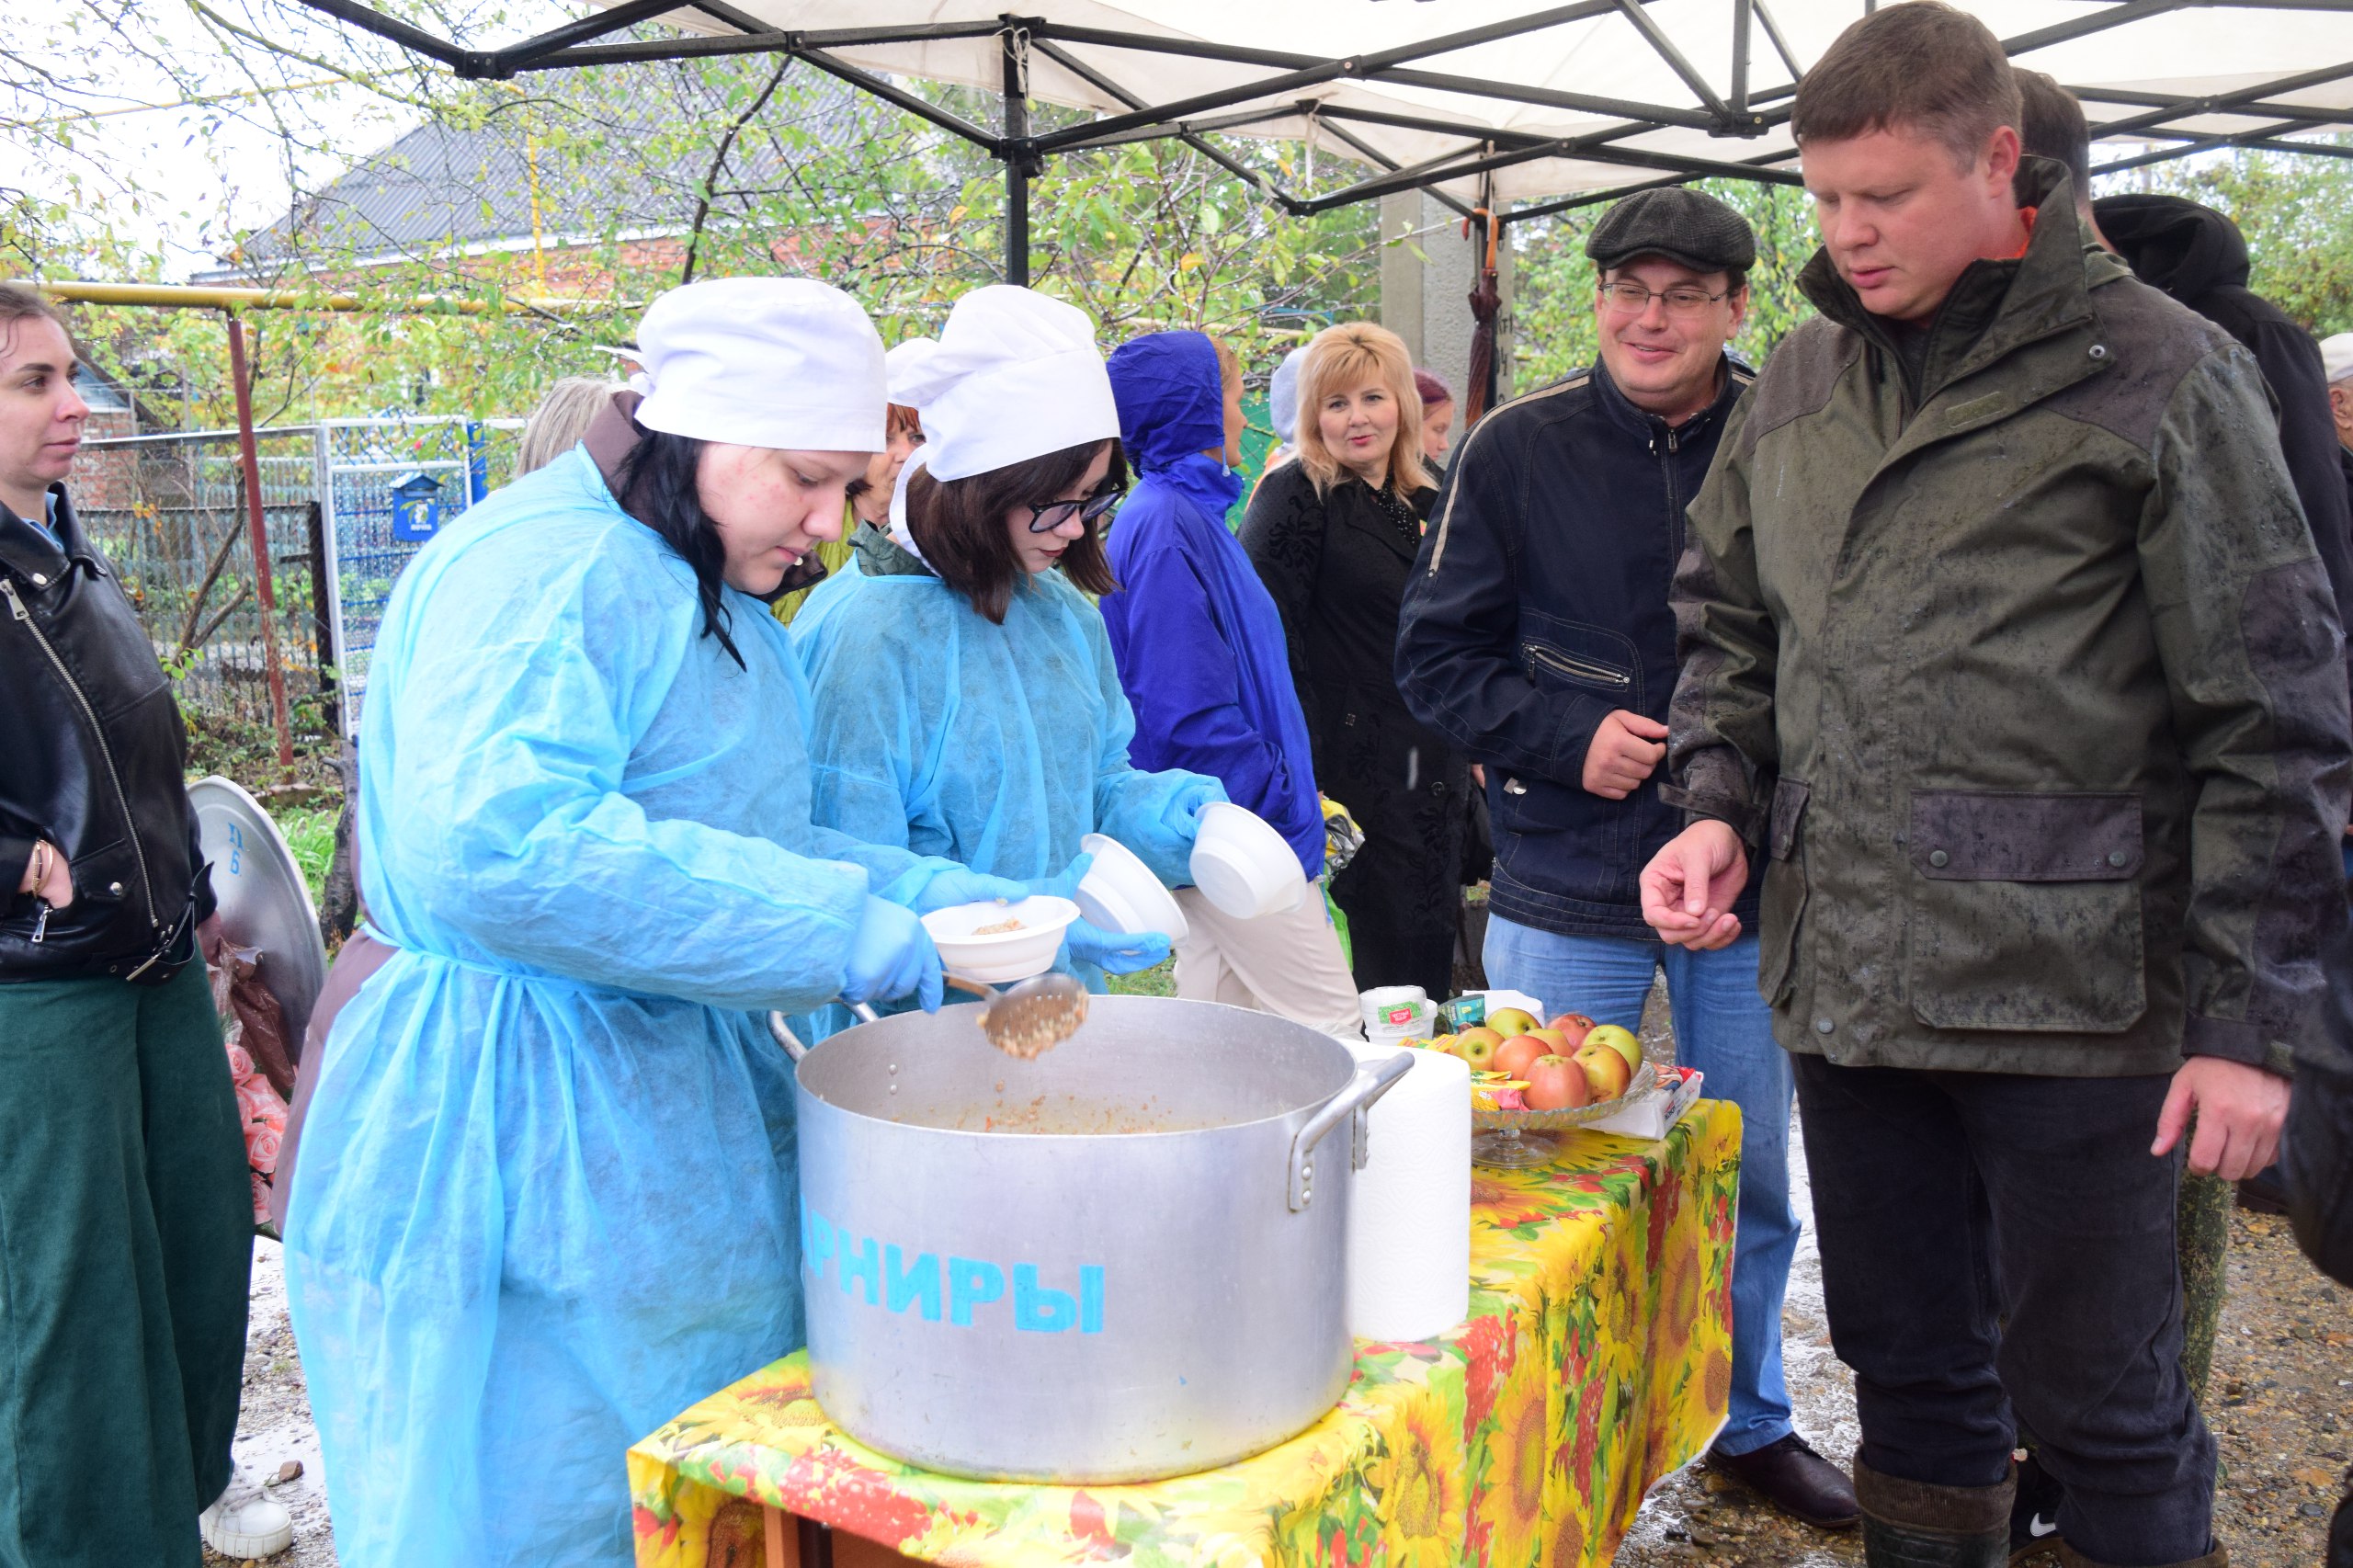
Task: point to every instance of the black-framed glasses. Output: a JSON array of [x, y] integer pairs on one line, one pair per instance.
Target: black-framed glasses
[[1633, 299], [1045, 516]]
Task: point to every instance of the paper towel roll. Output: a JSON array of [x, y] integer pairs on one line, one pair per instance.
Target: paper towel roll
[[1409, 1214]]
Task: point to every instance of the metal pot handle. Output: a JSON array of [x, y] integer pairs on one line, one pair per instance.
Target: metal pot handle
[[791, 1043], [1372, 1080]]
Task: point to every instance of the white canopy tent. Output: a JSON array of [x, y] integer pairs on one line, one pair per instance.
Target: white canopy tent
[[1504, 103]]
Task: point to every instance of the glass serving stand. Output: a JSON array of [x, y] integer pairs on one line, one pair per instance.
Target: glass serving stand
[[1516, 1139]]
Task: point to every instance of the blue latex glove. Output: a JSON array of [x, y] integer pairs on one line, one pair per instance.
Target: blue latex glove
[[1185, 805], [957, 885], [1114, 952], [1065, 884], [891, 956]]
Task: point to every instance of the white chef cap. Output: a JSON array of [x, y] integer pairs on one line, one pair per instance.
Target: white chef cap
[[2336, 356], [1284, 395], [786, 363], [1012, 376]]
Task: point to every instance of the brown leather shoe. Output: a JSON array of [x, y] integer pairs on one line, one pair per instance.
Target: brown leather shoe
[[1796, 1480]]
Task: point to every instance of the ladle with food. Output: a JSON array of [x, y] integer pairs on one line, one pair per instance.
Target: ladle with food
[[982, 946], [1031, 1018]]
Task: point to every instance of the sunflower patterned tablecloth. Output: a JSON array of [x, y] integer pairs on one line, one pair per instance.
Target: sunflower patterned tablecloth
[[1597, 1356]]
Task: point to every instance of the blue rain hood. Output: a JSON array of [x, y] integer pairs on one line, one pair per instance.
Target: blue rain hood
[[1171, 404]]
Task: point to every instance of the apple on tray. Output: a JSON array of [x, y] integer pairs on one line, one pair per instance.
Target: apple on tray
[[1513, 1056], [1622, 1041], [1605, 1070], [1556, 1083], [1573, 1028], [1509, 1021], [1476, 1045]]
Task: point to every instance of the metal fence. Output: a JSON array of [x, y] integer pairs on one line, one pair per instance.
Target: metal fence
[[169, 511], [362, 467]]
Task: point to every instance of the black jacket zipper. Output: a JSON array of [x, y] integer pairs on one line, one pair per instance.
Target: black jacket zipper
[[17, 609], [1575, 668]]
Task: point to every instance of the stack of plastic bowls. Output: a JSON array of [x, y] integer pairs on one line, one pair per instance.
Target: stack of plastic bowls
[[1119, 893], [1242, 865]]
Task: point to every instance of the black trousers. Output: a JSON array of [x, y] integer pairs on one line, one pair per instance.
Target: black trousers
[[1404, 890], [1946, 1203]]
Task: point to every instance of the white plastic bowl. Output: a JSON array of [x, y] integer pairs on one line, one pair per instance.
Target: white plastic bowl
[[1000, 956], [1119, 893], [1242, 865]]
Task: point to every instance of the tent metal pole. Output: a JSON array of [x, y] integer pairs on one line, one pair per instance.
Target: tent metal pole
[[1017, 153], [1379, 159], [2174, 102], [1663, 46], [1743, 23], [891, 93], [1190, 135], [2243, 101], [581, 31], [2262, 136]]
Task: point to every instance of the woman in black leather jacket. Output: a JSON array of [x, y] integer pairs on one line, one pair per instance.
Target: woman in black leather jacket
[[126, 1219]]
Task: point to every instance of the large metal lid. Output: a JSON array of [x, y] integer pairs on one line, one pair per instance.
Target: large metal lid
[[264, 902]]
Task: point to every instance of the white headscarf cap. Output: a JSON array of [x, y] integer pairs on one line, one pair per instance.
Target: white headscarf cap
[[786, 363], [1284, 395], [2336, 356], [1012, 376]]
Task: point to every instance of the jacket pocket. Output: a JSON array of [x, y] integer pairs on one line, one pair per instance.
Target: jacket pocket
[[2026, 911], [1565, 655], [1781, 901]]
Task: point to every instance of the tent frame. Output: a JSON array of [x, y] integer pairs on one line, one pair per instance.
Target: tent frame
[[1734, 115]]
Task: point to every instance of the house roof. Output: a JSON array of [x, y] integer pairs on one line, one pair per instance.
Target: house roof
[[604, 164]]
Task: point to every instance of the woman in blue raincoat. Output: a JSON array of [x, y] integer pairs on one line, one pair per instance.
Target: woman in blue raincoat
[[546, 1191], [967, 703], [1203, 658]]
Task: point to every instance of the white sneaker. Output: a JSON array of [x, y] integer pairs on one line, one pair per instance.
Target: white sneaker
[[243, 1522]]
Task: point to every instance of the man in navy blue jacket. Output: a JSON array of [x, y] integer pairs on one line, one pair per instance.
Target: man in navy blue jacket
[[1200, 646], [1537, 637]]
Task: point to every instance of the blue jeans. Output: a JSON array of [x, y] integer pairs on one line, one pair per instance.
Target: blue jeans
[[1723, 1028]]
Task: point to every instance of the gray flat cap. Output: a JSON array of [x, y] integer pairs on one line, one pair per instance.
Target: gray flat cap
[[1681, 225]]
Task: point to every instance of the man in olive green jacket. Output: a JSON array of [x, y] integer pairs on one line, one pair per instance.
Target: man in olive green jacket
[[2006, 642]]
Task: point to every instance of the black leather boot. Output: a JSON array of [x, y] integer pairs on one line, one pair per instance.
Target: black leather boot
[[2217, 1556], [1910, 1524]]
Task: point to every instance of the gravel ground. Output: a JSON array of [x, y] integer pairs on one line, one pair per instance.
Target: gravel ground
[[275, 1428], [2280, 1400]]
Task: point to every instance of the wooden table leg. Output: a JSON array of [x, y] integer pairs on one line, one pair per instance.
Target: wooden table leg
[[783, 1540]]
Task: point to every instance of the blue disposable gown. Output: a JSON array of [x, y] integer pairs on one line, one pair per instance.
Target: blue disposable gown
[[547, 1187], [1000, 746]]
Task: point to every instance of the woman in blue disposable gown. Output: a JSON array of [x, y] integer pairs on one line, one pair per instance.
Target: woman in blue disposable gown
[[967, 704], [546, 1192]]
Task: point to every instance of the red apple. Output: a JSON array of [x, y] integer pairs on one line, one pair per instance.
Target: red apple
[[1576, 1026], [1555, 1083], [1513, 1056]]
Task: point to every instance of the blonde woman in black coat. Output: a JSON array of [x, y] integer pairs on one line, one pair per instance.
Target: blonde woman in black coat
[[1334, 536]]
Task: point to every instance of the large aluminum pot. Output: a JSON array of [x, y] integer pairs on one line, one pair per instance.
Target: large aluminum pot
[[1121, 1261]]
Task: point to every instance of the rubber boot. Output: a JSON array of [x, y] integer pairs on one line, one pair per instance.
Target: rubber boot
[[1910, 1524], [2217, 1556]]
